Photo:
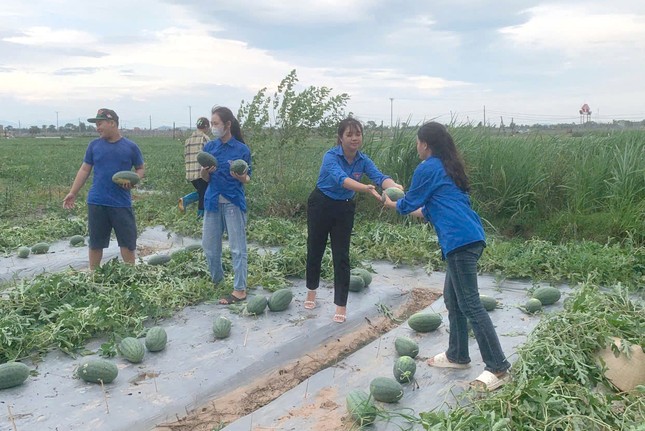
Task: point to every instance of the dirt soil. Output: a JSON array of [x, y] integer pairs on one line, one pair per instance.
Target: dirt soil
[[228, 408]]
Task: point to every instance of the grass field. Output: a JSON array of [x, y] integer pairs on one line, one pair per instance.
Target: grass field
[[552, 187]]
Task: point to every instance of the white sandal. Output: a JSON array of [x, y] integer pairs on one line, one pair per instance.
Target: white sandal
[[339, 318], [441, 361], [489, 381]]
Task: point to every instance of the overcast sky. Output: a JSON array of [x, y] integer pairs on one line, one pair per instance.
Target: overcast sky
[[158, 62]]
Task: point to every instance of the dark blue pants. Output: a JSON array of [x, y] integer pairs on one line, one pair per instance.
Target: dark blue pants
[[461, 296]]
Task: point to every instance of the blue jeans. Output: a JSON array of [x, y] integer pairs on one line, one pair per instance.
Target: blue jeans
[[461, 296], [231, 219]]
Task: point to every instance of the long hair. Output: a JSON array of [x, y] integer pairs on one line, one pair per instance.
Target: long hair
[[348, 123], [436, 136], [226, 115]]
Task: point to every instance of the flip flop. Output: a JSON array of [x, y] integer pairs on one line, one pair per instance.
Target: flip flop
[[339, 318], [441, 361], [310, 305], [230, 299], [489, 381]]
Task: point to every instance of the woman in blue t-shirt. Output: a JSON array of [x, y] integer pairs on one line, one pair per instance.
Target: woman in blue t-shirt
[[330, 210], [439, 193], [225, 201]]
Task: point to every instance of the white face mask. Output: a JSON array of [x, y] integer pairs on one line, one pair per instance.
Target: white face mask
[[217, 132]]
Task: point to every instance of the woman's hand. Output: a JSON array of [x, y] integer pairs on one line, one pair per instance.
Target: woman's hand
[[389, 203], [369, 188], [244, 178]]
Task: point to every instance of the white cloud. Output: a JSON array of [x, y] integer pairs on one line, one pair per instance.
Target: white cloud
[[576, 29], [47, 37], [160, 57]]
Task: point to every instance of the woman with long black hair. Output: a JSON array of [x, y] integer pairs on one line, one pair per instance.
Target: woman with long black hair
[[439, 193]]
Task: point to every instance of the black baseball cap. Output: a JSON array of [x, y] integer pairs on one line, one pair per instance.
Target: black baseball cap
[[104, 114]]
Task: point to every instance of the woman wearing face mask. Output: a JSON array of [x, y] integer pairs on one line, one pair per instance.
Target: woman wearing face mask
[[225, 201]]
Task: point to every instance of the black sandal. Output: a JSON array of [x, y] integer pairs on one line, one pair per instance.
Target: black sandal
[[231, 299]]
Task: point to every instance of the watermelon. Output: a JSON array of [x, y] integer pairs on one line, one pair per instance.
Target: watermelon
[[256, 305], [126, 177], [221, 327], [97, 371], [280, 300], [386, 389], [239, 166], [488, 302], [424, 322], [23, 252], [361, 407], [132, 350], [13, 374], [356, 283], [547, 294], [532, 306], [40, 248], [77, 241], [159, 259], [404, 369], [206, 160], [156, 339], [365, 274], [393, 193], [406, 346]]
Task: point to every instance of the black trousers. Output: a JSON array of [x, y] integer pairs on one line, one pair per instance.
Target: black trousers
[[329, 218], [201, 186]]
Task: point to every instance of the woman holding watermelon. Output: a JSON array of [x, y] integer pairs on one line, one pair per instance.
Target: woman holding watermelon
[[439, 193], [331, 207], [225, 201]]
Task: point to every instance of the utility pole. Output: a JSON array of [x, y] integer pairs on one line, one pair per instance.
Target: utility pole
[[57, 121], [190, 118], [150, 118], [484, 115], [391, 112]]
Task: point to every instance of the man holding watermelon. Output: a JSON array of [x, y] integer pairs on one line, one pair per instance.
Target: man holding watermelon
[[109, 204]]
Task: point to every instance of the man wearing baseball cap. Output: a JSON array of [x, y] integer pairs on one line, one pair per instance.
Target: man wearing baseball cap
[[109, 205]]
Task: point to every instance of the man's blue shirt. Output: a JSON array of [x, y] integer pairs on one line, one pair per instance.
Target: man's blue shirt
[[108, 158]]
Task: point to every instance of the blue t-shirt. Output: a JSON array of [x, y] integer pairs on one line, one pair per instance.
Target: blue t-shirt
[[335, 168], [108, 158], [443, 204], [221, 181]]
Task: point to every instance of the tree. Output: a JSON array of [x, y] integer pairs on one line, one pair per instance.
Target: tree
[[34, 130], [296, 115]]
